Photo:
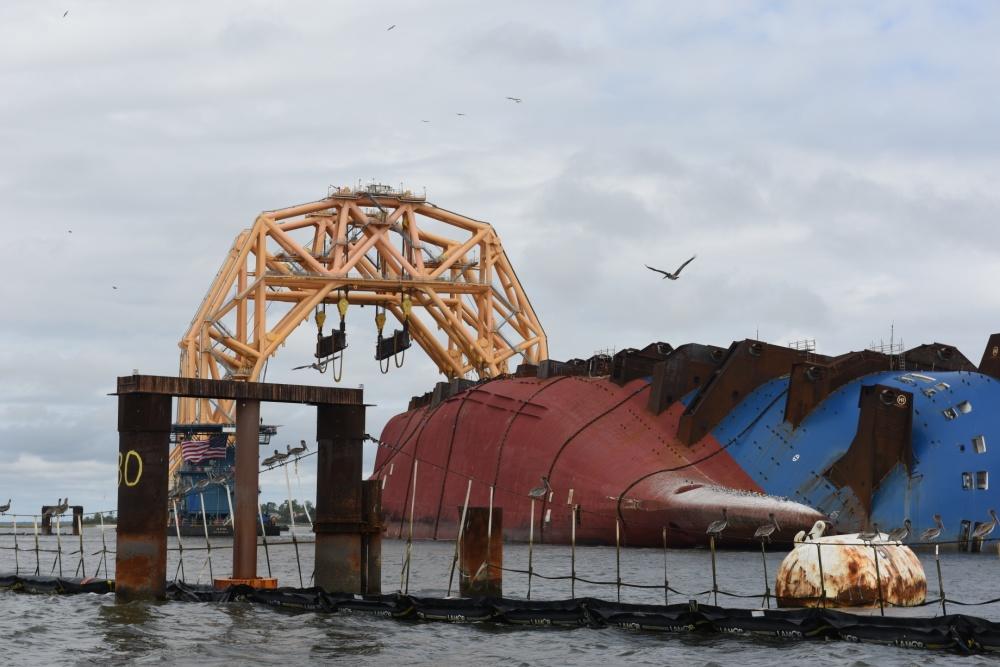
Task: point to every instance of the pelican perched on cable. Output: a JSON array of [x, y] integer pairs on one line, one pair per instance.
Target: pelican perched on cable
[[932, 534], [900, 534], [765, 531], [271, 460], [4, 508], [295, 451], [870, 535], [716, 527], [985, 529], [542, 491]]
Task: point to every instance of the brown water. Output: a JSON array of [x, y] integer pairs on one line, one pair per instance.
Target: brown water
[[88, 629]]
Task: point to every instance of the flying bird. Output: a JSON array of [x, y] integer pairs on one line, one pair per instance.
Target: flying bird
[[459, 114], [424, 121], [114, 287], [515, 100], [4, 508], [676, 274], [69, 231], [65, 13], [932, 534], [541, 491], [390, 27]]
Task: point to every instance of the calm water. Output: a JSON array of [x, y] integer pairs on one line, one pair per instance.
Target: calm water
[[91, 629]]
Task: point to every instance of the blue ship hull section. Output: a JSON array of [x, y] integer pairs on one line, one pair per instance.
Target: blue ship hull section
[[948, 465]]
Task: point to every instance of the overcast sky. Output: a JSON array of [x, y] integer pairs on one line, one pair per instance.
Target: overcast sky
[[833, 165]]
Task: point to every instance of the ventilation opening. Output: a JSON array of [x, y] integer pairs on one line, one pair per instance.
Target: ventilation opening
[[941, 386], [979, 442], [907, 379], [982, 480], [949, 413], [925, 378], [929, 392], [966, 481]]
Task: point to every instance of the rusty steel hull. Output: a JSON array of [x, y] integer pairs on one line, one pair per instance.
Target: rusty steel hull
[[672, 436], [849, 574], [601, 450]]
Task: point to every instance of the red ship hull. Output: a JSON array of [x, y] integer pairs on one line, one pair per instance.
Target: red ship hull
[[601, 450]]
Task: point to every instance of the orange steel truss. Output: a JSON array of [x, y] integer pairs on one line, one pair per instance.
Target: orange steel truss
[[374, 245]]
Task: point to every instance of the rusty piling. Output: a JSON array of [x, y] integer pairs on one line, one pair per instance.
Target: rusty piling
[[482, 543], [143, 451], [339, 524], [246, 485]]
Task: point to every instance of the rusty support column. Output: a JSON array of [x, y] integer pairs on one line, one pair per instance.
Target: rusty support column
[[245, 521], [143, 452], [371, 579], [339, 522], [482, 554]]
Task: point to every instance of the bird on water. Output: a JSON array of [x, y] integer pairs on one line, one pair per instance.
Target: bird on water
[[765, 531], [932, 534], [540, 492], [984, 529], [716, 527], [900, 534], [676, 274]]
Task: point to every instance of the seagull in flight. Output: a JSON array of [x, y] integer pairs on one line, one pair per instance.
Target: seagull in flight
[[676, 274], [65, 13], [459, 114], [424, 121], [515, 100], [390, 27]]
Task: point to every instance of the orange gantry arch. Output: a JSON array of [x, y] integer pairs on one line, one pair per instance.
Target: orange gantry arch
[[443, 275]]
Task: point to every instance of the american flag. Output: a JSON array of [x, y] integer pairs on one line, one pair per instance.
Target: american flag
[[196, 451]]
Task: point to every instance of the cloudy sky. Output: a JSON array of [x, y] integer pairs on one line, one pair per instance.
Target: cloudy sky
[[834, 166]]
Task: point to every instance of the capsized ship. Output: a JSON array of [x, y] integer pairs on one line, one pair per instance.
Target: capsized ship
[[665, 438]]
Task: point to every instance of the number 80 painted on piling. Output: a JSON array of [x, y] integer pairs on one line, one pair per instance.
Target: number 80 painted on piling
[[129, 468]]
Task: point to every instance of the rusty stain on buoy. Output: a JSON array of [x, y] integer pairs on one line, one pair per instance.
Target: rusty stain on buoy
[[849, 574]]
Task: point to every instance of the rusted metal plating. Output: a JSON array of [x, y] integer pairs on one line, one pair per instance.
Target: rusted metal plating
[[849, 572]]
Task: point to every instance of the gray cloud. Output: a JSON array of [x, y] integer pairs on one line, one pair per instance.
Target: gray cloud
[[833, 166]]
